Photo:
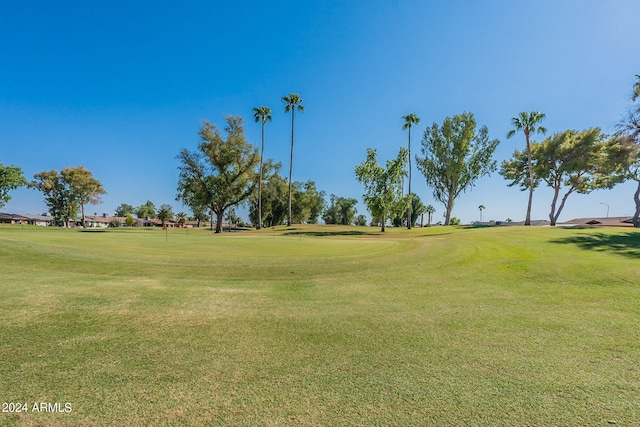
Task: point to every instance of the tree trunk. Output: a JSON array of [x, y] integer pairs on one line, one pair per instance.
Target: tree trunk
[[410, 208], [219, 215], [382, 223], [449, 209], [564, 199], [259, 225], [84, 223], [527, 220], [636, 198], [552, 214], [290, 168]]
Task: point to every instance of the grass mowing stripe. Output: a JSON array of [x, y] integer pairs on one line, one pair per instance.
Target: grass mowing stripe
[[322, 326]]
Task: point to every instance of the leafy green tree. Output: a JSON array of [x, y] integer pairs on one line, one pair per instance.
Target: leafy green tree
[[417, 209], [164, 213], [629, 133], [197, 208], [410, 120], [148, 210], [455, 156], [455, 221], [574, 161], [307, 202], [83, 187], [341, 210], [181, 218], [331, 213], [11, 178], [261, 114], [315, 201], [383, 186], [220, 175], [123, 209], [274, 196], [199, 214], [57, 196], [528, 123], [400, 218], [67, 191], [292, 101], [361, 221], [430, 210], [130, 220]]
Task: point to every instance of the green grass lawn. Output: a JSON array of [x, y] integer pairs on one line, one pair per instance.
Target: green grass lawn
[[321, 325]]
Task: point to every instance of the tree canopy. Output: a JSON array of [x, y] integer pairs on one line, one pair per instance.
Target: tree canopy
[[11, 178], [629, 131], [148, 210], [577, 161], [67, 191], [83, 187], [455, 156], [307, 202], [123, 209], [341, 210], [274, 197], [220, 174], [383, 186]]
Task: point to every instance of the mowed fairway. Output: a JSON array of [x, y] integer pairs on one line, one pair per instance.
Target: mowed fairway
[[322, 326]]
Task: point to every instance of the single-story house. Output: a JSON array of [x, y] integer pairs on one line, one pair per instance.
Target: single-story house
[[614, 221], [41, 220], [8, 218], [103, 221]]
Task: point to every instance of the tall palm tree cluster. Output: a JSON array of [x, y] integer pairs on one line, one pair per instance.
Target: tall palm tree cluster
[[262, 114]]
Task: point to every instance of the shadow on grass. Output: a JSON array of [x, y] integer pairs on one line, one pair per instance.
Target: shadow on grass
[[627, 244], [330, 233]]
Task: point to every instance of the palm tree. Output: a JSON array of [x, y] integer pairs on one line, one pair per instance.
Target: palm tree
[[164, 213], [528, 123], [430, 210], [292, 100], [481, 207], [261, 114], [182, 218], [409, 120]]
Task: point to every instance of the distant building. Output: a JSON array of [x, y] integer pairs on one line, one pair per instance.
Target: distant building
[[7, 218], [614, 221], [94, 221], [41, 220]]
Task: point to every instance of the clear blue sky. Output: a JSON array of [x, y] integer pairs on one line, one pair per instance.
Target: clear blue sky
[[120, 87]]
